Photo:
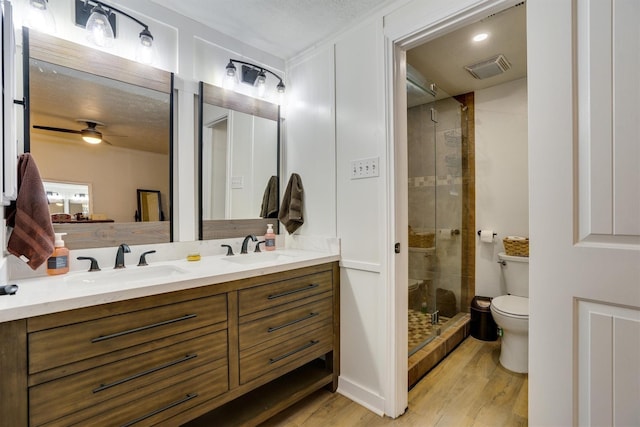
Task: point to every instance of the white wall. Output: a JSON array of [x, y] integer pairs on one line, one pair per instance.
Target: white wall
[[360, 133], [502, 197], [309, 147]]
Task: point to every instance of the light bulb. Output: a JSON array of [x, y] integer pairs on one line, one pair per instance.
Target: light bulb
[[480, 37], [98, 28], [39, 17], [261, 81], [145, 52]]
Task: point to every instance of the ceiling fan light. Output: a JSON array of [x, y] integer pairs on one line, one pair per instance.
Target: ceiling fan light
[[99, 29], [91, 136]]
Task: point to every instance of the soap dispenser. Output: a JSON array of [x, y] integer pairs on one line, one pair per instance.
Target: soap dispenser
[[270, 239], [58, 262]]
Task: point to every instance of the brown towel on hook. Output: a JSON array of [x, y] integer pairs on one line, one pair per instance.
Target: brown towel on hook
[[269, 207], [292, 204], [32, 238]]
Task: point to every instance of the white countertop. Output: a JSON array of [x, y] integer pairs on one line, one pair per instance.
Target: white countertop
[[77, 289]]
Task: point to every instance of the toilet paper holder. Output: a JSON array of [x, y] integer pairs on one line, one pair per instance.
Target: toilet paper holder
[[480, 231]]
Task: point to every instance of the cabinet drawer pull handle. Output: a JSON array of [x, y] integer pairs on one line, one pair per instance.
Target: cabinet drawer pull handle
[[142, 328], [294, 291], [157, 411], [143, 373], [292, 352], [293, 322]]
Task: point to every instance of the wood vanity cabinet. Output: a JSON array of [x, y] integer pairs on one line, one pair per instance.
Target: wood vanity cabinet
[[196, 357]]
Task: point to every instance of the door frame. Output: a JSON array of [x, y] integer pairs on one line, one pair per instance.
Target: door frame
[[397, 42]]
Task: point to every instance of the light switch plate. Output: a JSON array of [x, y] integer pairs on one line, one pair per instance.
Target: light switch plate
[[237, 182], [364, 168]]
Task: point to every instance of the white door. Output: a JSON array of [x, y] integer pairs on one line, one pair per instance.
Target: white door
[[584, 154]]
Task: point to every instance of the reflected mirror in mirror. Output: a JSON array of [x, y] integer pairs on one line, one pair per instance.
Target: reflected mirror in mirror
[[75, 92], [68, 201], [239, 161], [149, 206]]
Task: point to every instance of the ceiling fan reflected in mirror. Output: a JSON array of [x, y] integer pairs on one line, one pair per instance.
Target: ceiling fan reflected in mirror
[[89, 134]]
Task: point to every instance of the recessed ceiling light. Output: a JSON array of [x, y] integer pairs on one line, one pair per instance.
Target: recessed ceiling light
[[480, 37]]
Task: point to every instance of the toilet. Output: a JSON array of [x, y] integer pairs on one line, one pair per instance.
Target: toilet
[[511, 313]]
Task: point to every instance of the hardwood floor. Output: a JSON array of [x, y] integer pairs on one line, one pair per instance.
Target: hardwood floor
[[468, 388]]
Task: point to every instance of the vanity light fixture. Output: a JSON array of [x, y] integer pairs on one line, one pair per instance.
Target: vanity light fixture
[[251, 74], [39, 17], [99, 20]]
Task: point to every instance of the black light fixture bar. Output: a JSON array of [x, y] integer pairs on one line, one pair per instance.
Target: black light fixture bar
[[251, 72]]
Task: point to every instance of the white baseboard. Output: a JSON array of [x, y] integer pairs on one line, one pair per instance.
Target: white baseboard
[[362, 396]]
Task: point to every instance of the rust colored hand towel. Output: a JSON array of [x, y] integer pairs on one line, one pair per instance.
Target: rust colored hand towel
[[32, 238], [292, 204]]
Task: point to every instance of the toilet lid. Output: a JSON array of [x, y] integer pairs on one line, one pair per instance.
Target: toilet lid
[[511, 305]]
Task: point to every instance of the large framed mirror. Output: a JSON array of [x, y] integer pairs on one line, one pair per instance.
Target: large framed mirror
[[238, 163], [73, 93]]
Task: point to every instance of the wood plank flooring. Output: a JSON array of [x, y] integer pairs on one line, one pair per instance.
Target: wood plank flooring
[[468, 388]]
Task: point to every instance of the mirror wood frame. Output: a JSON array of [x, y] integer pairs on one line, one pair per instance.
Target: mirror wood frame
[[61, 52], [231, 228]]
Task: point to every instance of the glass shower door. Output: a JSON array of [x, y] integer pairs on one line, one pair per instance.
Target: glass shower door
[[435, 213]]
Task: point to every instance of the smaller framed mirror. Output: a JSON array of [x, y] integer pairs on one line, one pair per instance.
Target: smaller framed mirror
[[149, 206]]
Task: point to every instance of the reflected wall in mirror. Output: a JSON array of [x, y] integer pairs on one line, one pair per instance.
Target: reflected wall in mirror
[[239, 152], [73, 91]]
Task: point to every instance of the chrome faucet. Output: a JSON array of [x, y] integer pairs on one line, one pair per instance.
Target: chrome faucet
[[245, 243], [122, 249]]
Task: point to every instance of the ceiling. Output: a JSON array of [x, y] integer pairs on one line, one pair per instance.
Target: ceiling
[[132, 117], [282, 28], [285, 28], [442, 60]]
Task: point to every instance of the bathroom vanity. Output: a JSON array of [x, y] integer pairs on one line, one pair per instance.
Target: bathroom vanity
[[229, 349]]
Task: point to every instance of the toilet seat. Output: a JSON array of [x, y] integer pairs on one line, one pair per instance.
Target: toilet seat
[[511, 306]]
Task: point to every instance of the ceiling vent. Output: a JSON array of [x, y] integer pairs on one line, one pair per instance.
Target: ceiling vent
[[489, 67]]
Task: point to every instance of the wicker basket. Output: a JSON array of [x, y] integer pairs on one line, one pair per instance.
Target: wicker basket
[[516, 247], [421, 240]]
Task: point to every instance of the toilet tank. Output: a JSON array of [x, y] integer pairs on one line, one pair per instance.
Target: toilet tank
[[516, 274]]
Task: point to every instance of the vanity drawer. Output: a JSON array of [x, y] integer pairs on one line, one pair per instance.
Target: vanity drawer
[[116, 384], [71, 343], [284, 355], [157, 406], [270, 295], [288, 321]]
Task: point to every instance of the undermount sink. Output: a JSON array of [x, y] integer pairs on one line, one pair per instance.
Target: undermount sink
[[259, 258], [124, 275]]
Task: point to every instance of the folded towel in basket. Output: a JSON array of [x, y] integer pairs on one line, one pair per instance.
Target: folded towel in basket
[[32, 238], [292, 204]]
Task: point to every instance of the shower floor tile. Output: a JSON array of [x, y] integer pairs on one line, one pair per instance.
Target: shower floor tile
[[420, 327]]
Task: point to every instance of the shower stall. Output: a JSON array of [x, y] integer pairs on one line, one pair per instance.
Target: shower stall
[[438, 192]]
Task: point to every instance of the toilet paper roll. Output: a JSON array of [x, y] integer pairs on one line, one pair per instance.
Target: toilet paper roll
[[486, 236], [444, 234]]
